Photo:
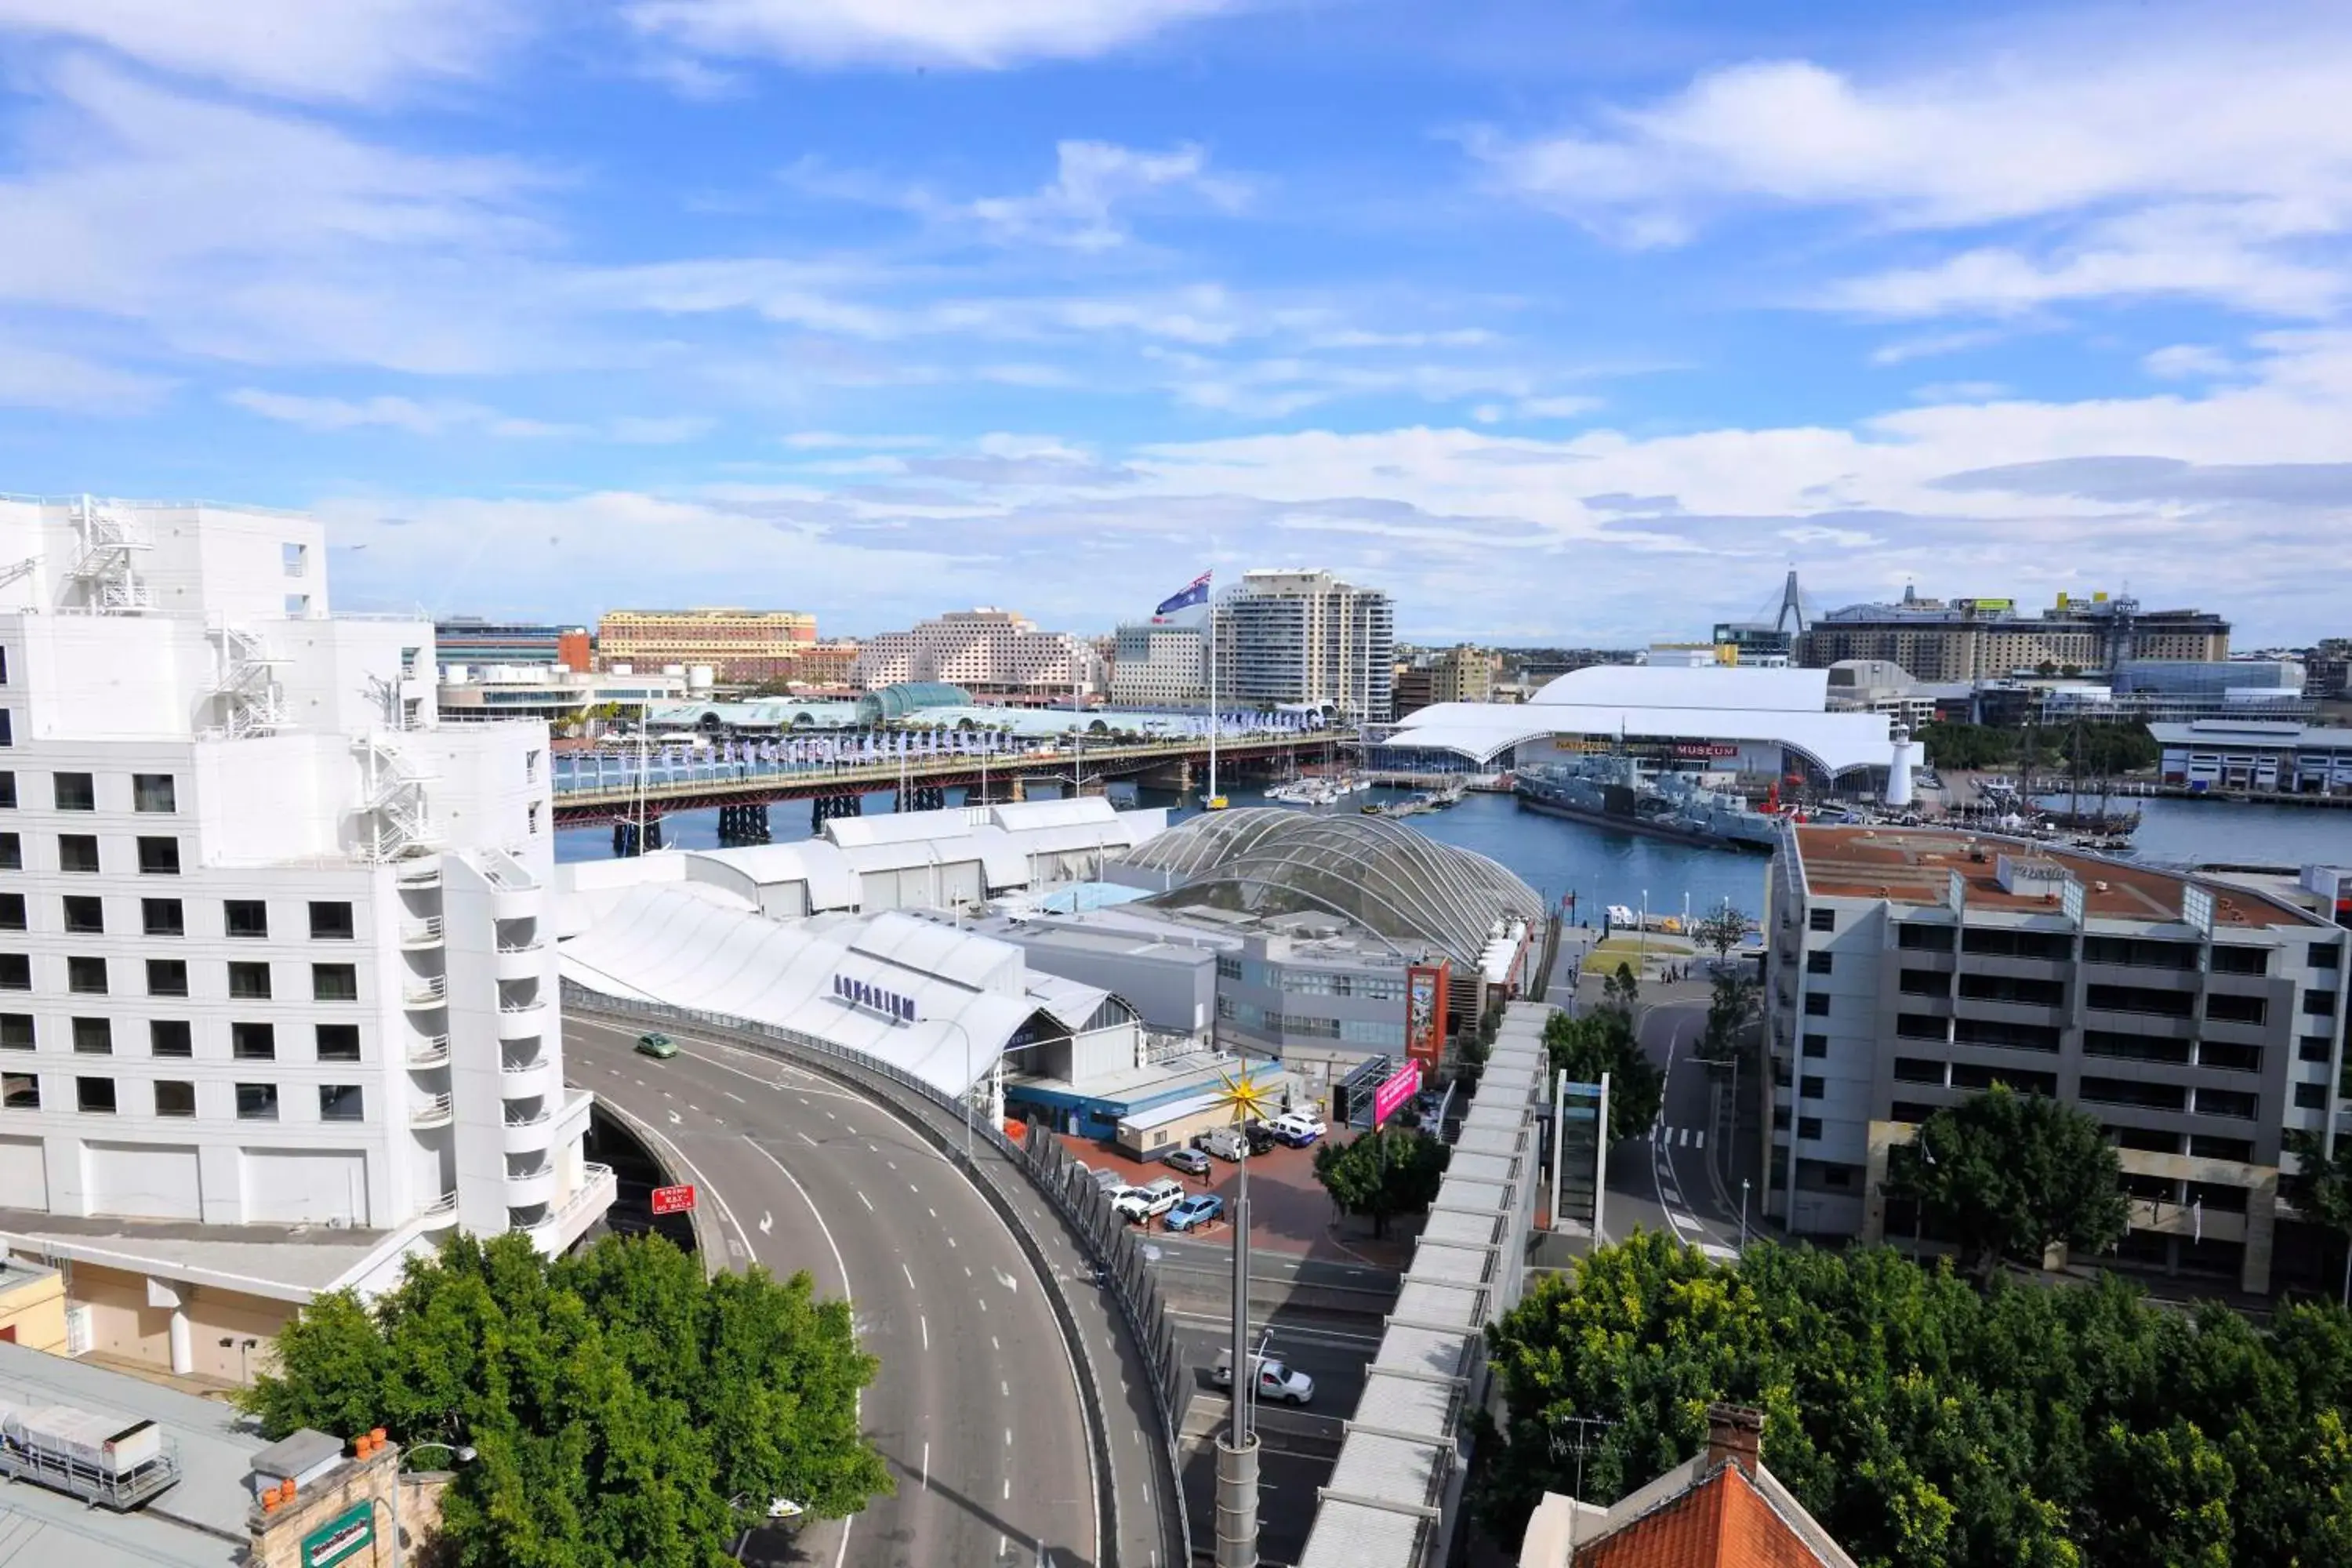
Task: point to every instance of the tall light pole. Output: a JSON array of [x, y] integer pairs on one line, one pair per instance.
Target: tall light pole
[[1237, 1451], [1743, 1214], [462, 1453]]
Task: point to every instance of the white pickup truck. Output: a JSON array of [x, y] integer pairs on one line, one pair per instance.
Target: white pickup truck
[[1276, 1382]]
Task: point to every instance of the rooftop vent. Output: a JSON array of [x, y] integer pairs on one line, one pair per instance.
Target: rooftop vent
[[2029, 878]]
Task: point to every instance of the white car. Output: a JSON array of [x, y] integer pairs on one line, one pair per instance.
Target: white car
[[1296, 1128], [1140, 1204], [1276, 1384], [783, 1508]]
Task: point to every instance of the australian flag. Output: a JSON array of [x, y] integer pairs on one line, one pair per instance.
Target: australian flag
[[1196, 592]]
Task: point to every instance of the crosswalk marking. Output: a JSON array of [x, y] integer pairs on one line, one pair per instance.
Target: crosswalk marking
[[1678, 1137]]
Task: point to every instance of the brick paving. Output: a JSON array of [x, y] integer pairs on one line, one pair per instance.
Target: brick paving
[[1289, 1211]]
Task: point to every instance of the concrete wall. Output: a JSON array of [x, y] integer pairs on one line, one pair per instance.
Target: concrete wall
[[123, 1322], [33, 1311]]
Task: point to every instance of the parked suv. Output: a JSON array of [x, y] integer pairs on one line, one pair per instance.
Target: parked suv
[[1140, 1204], [1298, 1129]]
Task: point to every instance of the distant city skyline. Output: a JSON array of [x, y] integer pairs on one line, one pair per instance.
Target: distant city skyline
[[1561, 323]]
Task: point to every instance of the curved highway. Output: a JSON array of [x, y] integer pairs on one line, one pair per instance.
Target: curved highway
[[976, 1407]]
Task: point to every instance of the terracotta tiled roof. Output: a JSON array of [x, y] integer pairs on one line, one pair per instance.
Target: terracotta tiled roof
[[1722, 1522]]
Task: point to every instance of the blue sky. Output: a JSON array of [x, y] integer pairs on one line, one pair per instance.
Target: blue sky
[[1564, 321]]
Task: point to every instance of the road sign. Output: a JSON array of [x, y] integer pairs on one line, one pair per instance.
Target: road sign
[[339, 1537], [674, 1200]]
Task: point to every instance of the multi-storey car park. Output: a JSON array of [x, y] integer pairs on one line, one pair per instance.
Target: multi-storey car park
[[2198, 1018], [278, 990]]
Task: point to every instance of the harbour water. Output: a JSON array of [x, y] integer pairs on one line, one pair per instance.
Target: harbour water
[[1603, 868]]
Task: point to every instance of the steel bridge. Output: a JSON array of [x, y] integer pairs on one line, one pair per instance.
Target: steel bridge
[[615, 792]]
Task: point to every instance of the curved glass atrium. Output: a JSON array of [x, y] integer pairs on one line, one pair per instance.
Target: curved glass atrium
[[1412, 892], [888, 704]]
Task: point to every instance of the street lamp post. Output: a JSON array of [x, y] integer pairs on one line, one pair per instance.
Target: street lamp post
[[462, 1453], [1642, 944], [1743, 1214]]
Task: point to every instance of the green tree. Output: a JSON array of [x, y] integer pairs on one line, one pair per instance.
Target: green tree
[[1735, 1001], [1602, 1041], [1930, 1425], [2321, 1187], [1387, 1171], [1621, 991], [2011, 1174], [617, 1399], [1722, 931]]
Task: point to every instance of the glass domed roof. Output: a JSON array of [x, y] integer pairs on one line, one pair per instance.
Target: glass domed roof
[[1405, 888]]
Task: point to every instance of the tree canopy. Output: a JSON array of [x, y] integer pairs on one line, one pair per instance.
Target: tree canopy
[[1735, 1001], [1391, 1170], [2322, 1186], [1602, 1041], [1724, 929], [2008, 1175], [617, 1399], [1927, 1424]]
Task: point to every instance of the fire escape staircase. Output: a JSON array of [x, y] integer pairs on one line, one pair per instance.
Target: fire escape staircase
[[244, 680], [395, 808], [107, 547]]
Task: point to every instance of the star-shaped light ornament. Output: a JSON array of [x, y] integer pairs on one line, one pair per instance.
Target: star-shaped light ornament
[[1245, 1100]]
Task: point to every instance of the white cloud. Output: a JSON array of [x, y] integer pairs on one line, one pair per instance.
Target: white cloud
[[308, 49], [2186, 362], [2177, 164], [43, 378], [1959, 391], [833, 441], [980, 35], [1093, 179], [446, 416]]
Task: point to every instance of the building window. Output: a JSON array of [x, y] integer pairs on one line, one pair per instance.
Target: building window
[[2319, 1003], [530, 818], [159, 857], [257, 1102], [331, 921], [253, 1042], [8, 790], [154, 792], [175, 1097], [247, 916], [2314, 1049], [86, 976], [2324, 954], [1229, 968], [76, 852], [530, 766], [1817, 1004], [7, 727], [12, 852], [163, 917], [339, 1102], [2240, 960], [338, 1042], [1811, 1087], [1818, 962], [1821, 919], [19, 1091], [2311, 1097], [2229, 1102], [85, 914], [12, 911], [1817, 1044], [95, 1095], [16, 972], [2244, 1009], [248, 982], [1808, 1126], [17, 1032], [75, 791], [334, 982], [167, 977], [170, 1037], [297, 559], [93, 1036]]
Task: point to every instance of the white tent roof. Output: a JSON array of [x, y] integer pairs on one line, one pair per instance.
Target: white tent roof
[[972, 993], [1786, 707]]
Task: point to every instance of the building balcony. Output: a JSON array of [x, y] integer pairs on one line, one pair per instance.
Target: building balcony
[[532, 1187], [529, 1132], [527, 961], [422, 872], [433, 1113], [418, 935], [441, 1214], [516, 903], [429, 1051], [528, 1080], [553, 1227], [524, 1020], [425, 990]]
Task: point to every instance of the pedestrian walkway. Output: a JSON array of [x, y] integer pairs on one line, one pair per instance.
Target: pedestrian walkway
[[1678, 1137]]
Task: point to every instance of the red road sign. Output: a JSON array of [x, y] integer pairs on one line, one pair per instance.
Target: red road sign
[[674, 1200]]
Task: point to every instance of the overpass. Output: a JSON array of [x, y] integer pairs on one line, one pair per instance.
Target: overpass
[[592, 787]]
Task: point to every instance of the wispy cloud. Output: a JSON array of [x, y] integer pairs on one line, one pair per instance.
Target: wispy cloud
[[974, 35], [446, 418]]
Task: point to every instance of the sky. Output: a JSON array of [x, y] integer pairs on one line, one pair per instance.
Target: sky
[[1565, 321]]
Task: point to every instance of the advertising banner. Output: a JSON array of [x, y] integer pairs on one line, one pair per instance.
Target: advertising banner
[[1424, 1013], [1398, 1092]]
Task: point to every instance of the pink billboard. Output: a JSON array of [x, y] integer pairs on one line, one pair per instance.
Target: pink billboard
[[1395, 1093]]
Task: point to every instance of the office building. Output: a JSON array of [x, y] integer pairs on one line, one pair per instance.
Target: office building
[[1156, 665], [1458, 674], [1296, 636], [739, 645], [2329, 669], [472, 640], [276, 999], [1980, 639], [2255, 755], [2199, 1020], [988, 652], [1879, 686], [549, 693]]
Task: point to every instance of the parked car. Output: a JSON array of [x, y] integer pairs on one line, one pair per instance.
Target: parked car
[[1276, 1382], [1192, 1161], [782, 1508], [1140, 1204], [1298, 1129], [658, 1044], [1260, 1136], [1197, 1210], [1224, 1142]]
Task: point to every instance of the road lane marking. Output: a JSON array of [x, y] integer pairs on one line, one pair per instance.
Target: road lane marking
[[992, 1344], [908, 1272], [926, 1467], [927, 1332], [867, 1201], [804, 1138], [735, 1097], [767, 1222]]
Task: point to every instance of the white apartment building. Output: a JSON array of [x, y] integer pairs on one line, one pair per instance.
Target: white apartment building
[[998, 653], [278, 984], [1294, 635], [1161, 667]]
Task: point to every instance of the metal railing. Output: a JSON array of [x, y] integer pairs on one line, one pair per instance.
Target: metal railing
[[1107, 1241], [429, 1052], [119, 1490], [430, 1112], [434, 989]]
